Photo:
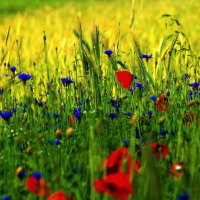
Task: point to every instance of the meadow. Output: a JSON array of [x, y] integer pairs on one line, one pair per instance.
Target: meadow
[[99, 100]]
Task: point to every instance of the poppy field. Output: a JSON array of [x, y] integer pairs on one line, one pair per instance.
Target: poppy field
[[99, 100]]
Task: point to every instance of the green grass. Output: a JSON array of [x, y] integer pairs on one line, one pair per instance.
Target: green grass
[[96, 136]]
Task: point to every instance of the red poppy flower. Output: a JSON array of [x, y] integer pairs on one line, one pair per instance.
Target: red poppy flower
[[114, 162], [162, 104], [116, 185], [60, 195], [37, 186], [137, 165], [177, 170], [125, 78], [159, 150]]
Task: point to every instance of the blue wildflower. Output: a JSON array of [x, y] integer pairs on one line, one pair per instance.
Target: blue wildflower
[[22, 174], [115, 104], [147, 57], [194, 85], [128, 114], [108, 52], [78, 109], [75, 170], [66, 81], [24, 77], [13, 69], [37, 175], [77, 113], [56, 115], [1, 91], [57, 142], [154, 98], [184, 196], [6, 198], [139, 85], [14, 109], [190, 95], [126, 143], [112, 115], [150, 112], [6, 115], [163, 132]]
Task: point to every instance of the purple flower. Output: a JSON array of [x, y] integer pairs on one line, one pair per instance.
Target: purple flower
[[66, 81], [37, 175], [6, 115], [24, 77], [108, 52]]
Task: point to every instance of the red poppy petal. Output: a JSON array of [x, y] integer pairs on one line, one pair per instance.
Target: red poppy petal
[[125, 78], [38, 187], [60, 195]]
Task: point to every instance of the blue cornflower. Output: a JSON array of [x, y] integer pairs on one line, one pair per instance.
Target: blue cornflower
[[139, 85], [66, 81], [24, 77], [75, 170], [6, 198], [163, 132], [194, 85], [190, 95], [108, 52], [112, 115], [37, 175], [22, 174], [146, 56], [13, 69], [135, 77], [150, 112], [57, 142], [1, 91], [128, 114], [184, 196], [154, 98], [77, 109], [14, 109], [126, 143], [56, 115], [1, 112], [6, 115], [115, 103], [77, 113]]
